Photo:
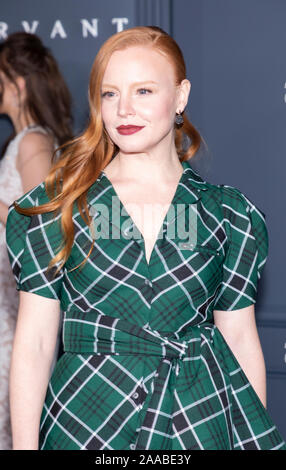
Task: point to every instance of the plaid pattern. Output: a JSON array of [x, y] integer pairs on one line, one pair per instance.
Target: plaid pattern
[[144, 365]]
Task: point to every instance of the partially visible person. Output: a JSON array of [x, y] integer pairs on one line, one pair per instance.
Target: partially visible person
[[34, 95], [161, 350]]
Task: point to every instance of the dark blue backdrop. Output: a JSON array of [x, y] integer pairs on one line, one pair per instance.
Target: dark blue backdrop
[[235, 59]]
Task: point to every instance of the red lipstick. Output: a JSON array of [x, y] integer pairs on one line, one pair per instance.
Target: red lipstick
[[127, 130]]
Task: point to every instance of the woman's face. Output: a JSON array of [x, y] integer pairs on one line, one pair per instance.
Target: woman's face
[[7, 94], [139, 89]]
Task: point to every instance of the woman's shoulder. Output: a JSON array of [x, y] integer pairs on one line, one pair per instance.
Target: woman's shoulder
[[32, 242], [41, 229], [237, 199], [34, 197], [29, 137], [35, 141], [232, 198], [36, 135]]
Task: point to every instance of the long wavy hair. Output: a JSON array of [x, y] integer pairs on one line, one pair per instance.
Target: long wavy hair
[[85, 156], [48, 100]]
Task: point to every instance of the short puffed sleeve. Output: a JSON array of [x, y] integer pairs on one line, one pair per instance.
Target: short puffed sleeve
[[245, 252], [32, 241]]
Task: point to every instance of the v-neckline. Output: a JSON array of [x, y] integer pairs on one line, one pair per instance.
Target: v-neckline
[[122, 206]]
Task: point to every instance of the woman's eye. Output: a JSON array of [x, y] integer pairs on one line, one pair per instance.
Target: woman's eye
[[107, 94], [144, 91], [111, 94]]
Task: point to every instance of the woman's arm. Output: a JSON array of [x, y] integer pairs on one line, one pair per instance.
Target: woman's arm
[[3, 212], [238, 328], [32, 357], [34, 159]]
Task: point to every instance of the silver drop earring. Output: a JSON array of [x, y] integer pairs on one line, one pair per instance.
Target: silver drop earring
[[179, 119]]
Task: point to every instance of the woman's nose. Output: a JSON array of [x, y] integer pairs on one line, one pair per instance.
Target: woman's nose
[[125, 106]]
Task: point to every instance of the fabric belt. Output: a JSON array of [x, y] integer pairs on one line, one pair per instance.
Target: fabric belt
[[94, 333]]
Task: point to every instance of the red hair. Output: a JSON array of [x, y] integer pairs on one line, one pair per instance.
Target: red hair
[[84, 157]]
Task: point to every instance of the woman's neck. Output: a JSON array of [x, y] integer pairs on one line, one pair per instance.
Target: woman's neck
[[21, 122]]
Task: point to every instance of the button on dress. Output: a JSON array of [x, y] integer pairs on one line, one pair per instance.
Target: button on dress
[[144, 366]]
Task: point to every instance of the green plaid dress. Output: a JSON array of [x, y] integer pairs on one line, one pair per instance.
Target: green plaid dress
[[144, 366]]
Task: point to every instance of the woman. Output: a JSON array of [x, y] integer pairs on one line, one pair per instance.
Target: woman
[[159, 321], [36, 99]]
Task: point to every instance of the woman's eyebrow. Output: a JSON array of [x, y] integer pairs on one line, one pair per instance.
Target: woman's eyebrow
[[133, 84]]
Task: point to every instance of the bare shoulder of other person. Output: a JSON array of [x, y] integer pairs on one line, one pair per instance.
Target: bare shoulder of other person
[[34, 159], [34, 144]]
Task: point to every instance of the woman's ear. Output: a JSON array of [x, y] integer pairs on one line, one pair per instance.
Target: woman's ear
[[21, 83], [183, 95], [20, 88]]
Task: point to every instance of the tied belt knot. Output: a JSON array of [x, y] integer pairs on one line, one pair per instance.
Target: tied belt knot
[[94, 333], [180, 356]]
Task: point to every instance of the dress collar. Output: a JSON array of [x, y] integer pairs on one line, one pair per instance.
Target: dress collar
[[193, 177], [188, 177], [102, 192]]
